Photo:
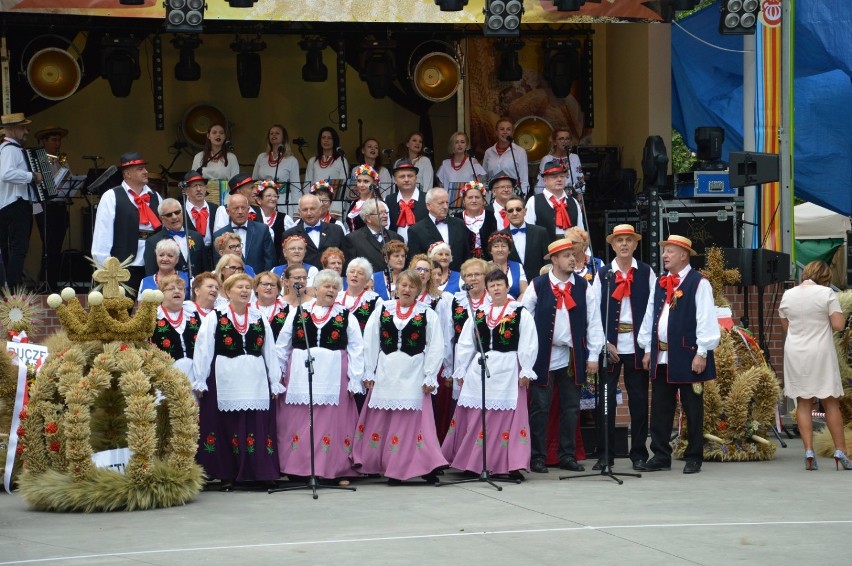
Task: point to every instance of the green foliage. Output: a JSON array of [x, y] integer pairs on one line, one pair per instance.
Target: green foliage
[[682, 157]]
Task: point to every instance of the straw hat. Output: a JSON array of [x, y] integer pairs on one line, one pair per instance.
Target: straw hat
[[558, 246], [16, 119], [680, 241], [623, 230], [51, 131]]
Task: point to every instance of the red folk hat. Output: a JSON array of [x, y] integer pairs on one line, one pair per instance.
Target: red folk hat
[[192, 177], [623, 230], [553, 168], [680, 241], [237, 181], [558, 246]]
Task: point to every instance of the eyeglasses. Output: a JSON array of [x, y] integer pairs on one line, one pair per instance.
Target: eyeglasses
[[171, 214], [233, 268], [325, 201], [514, 210], [266, 284], [299, 278], [235, 247], [422, 269], [466, 275], [563, 139]]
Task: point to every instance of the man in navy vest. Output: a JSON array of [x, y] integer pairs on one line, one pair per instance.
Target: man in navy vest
[[570, 338], [679, 332], [625, 286], [554, 209], [126, 217]]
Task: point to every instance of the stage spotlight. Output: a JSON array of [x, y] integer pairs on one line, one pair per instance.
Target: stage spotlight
[[503, 17], [241, 3], [561, 66], [738, 17], [708, 142], [451, 5], [378, 66], [120, 64], [568, 5], [184, 15], [248, 65], [314, 70], [187, 69], [510, 67]]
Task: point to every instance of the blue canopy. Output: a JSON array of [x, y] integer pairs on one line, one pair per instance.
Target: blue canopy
[[707, 90]]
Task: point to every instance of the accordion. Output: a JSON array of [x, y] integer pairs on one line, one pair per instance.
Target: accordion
[[38, 162]]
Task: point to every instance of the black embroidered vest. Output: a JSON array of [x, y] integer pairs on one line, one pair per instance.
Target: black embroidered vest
[[413, 339], [167, 339], [230, 343], [502, 338], [363, 312], [332, 336]]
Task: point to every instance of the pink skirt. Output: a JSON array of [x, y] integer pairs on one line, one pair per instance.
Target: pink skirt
[[507, 438], [399, 444], [333, 438]]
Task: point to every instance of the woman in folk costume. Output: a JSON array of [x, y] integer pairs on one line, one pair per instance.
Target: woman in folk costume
[[509, 339], [404, 349], [335, 344], [236, 373], [358, 297], [177, 324], [267, 289], [450, 280], [366, 178], [499, 247], [480, 225]]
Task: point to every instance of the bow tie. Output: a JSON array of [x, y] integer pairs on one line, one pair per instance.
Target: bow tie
[[622, 285], [560, 208], [441, 221], [174, 233], [669, 283], [406, 213], [521, 230], [238, 227], [563, 297], [378, 237], [309, 229]]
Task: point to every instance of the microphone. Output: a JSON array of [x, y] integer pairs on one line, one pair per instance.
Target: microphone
[[510, 139], [470, 153], [466, 287], [387, 152], [609, 273], [427, 151], [93, 157], [298, 286], [375, 188], [229, 146], [280, 149], [340, 151], [300, 142]]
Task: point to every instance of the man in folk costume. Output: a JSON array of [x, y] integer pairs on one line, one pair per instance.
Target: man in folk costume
[[127, 215], [679, 333], [570, 336], [626, 285], [407, 204], [199, 214], [553, 208]]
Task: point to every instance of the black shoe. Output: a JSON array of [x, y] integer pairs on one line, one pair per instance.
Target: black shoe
[[655, 465], [638, 465], [692, 467], [538, 466], [517, 476], [572, 465], [431, 478], [599, 465]]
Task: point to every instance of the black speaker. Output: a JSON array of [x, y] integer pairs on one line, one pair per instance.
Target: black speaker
[[759, 266], [752, 168]]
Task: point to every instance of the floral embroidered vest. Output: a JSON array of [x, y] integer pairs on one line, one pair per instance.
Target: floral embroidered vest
[[332, 336], [167, 339], [413, 338], [363, 312], [505, 336], [277, 322], [230, 343], [460, 316]]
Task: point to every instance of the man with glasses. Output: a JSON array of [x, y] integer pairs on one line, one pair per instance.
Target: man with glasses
[[319, 235], [257, 249], [200, 214], [189, 241], [439, 226], [529, 242], [561, 153], [502, 187], [325, 198], [369, 240]]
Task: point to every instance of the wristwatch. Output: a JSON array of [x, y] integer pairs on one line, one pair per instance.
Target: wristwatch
[[704, 355]]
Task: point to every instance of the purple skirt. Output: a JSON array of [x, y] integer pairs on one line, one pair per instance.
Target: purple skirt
[[236, 445], [333, 435], [507, 436], [399, 444]]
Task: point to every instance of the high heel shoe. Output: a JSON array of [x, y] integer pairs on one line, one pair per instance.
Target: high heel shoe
[[840, 459], [810, 461]]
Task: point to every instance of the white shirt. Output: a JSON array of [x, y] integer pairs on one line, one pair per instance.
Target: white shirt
[[562, 341], [443, 229], [529, 218], [706, 325], [494, 163], [217, 169], [314, 235], [208, 237], [288, 172], [574, 176], [403, 230], [519, 240], [337, 169], [15, 176], [104, 234], [425, 173], [499, 217], [449, 176], [625, 343]]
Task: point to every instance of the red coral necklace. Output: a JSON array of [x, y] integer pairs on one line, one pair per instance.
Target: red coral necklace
[[492, 322], [357, 302], [240, 326], [320, 320], [404, 315], [175, 322]]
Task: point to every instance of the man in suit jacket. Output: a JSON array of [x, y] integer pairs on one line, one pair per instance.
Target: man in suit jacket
[[407, 204], [438, 226], [190, 242], [319, 235], [258, 251], [368, 241], [529, 242]]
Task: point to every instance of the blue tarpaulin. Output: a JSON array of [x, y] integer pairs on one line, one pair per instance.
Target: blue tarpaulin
[[707, 90]]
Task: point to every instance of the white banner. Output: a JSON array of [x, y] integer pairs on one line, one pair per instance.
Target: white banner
[[112, 459], [16, 421]]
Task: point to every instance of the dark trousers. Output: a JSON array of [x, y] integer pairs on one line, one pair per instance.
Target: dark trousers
[[636, 385], [569, 406], [137, 274], [54, 218], [663, 405], [16, 223]]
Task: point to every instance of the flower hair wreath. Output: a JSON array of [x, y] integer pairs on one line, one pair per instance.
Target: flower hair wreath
[[321, 184], [263, 185], [365, 169], [473, 185]]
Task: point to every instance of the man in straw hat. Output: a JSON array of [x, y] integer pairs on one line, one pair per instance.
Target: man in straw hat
[[570, 337], [626, 285], [679, 332], [16, 211], [127, 215], [553, 208]]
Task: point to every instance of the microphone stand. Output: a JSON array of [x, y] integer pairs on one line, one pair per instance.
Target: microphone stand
[[387, 270], [603, 398], [469, 153], [312, 483], [484, 475], [188, 248], [519, 186]]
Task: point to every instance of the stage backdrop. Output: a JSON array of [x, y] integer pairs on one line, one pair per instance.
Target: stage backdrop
[[369, 11]]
